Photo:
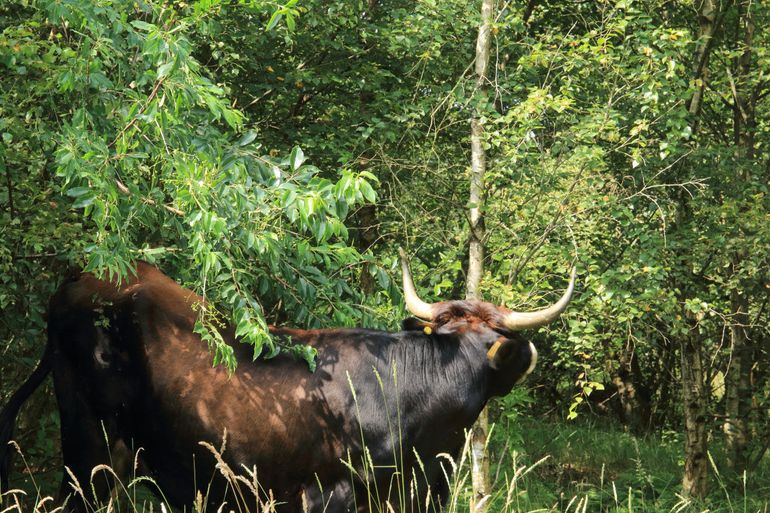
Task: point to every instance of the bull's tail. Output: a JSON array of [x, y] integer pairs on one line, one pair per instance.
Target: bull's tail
[[8, 415]]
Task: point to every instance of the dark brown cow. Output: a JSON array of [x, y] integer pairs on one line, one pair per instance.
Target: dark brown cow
[[130, 373]]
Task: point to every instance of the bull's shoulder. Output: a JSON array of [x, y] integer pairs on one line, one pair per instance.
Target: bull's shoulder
[[157, 292]]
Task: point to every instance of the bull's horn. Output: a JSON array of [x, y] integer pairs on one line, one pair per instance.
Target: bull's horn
[[527, 320], [414, 304]]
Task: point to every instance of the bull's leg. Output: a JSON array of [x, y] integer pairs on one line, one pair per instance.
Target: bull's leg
[[439, 493], [88, 442], [94, 476], [335, 498]]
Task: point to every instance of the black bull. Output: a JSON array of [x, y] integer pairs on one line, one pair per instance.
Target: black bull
[[130, 373]]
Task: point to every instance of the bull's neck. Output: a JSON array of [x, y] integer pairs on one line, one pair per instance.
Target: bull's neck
[[447, 372]]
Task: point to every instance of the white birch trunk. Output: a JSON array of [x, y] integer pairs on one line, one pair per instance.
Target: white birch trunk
[[480, 459]]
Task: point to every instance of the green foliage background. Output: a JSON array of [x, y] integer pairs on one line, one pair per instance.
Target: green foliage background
[[273, 157]]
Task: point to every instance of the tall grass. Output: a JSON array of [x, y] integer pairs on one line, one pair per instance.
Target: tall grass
[[553, 467], [539, 465]]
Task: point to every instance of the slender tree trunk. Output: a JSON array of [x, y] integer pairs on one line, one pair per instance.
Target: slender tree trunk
[[480, 459], [665, 383], [366, 233], [759, 378], [634, 396], [707, 14], [737, 389], [737, 382], [695, 480], [478, 158]]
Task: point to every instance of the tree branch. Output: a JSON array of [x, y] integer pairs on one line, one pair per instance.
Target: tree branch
[[131, 123]]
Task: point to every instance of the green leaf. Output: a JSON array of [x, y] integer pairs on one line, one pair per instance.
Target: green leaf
[[165, 69], [78, 191], [296, 158], [84, 200], [274, 19], [143, 25], [368, 192], [247, 138]]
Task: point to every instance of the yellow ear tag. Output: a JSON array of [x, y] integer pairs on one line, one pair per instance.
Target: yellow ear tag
[[427, 330], [493, 350]]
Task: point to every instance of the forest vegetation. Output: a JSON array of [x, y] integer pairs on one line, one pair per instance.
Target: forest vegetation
[[273, 157]]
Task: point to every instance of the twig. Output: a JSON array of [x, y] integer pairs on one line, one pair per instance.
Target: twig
[[33, 256], [9, 183], [131, 123], [125, 190]]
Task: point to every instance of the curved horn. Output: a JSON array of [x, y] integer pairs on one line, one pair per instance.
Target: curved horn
[[527, 320], [414, 304]]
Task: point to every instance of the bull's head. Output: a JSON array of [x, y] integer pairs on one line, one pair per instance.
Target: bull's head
[[493, 328]]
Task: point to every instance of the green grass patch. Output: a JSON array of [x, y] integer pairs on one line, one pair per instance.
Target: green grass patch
[[594, 465]]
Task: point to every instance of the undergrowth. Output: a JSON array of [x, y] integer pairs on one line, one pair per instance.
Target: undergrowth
[[538, 466], [593, 465]]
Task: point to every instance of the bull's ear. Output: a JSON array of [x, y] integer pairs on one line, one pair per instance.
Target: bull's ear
[[504, 351], [413, 324]]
